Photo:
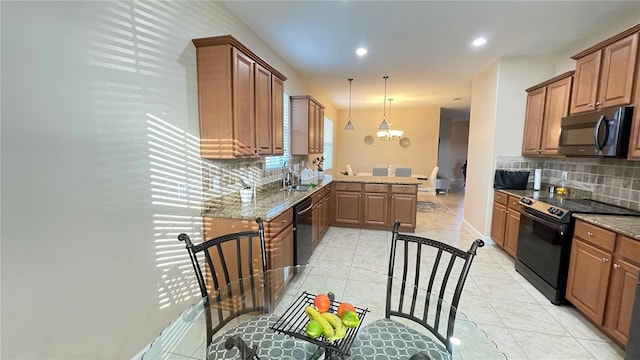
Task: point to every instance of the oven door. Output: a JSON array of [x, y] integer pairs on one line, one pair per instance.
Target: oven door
[[543, 247]]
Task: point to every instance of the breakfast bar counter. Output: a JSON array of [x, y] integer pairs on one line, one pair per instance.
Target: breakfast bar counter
[[269, 204]]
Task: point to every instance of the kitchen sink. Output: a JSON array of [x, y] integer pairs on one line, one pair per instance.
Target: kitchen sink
[[298, 187]]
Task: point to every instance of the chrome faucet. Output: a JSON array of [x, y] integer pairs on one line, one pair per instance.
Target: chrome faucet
[[286, 176]]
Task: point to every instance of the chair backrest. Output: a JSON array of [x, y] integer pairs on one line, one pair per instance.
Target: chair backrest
[[449, 268], [380, 171], [349, 170], [231, 273], [403, 171], [433, 177]]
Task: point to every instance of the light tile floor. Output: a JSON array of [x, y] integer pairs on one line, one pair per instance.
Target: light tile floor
[[352, 263], [522, 322]]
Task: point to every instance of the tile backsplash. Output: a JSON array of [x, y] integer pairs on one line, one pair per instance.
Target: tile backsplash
[[224, 177], [613, 181]]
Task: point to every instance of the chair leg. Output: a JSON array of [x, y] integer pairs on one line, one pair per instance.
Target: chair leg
[[246, 353]]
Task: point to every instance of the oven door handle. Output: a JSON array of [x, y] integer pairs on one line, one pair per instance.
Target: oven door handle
[[562, 228]]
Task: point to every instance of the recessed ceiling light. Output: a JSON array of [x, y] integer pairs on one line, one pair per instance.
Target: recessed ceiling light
[[361, 51], [479, 41], [457, 98]]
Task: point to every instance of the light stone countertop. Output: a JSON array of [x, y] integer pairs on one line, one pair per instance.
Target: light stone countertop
[[270, 204], [625, 225]]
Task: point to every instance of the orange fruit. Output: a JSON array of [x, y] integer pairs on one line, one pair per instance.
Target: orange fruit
[[345, 306], [322, 302]]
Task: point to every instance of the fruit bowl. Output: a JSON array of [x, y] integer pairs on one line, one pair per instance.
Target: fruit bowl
[[294, 323]]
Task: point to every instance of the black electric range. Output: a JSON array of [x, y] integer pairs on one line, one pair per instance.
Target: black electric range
[[560, 209], [544, 239]]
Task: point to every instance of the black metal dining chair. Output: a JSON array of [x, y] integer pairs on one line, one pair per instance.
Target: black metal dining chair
[[430, 299], [228, 269]]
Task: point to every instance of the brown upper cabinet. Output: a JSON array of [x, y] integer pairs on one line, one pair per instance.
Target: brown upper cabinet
[[239, 100], [605, 73], [307, 125], [547, 103]]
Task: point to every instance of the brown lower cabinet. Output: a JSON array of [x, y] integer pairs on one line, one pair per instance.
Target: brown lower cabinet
[[505, 221], [603, 274], [320, 213], [375, 205], [278, 243]]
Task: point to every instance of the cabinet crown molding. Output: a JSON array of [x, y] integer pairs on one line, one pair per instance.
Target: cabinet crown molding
[[607, 42], [230, 40], [551, 81]]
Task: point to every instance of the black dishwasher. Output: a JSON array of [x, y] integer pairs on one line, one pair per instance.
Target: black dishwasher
[[302, 224]]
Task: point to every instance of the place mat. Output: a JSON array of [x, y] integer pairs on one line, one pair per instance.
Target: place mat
[[431, 206]]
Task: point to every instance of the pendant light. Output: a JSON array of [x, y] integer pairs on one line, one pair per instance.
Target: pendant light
[[349, 125], [384, 125], [392, 134]]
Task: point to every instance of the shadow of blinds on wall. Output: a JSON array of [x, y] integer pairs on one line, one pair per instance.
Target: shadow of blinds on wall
[[277, 162]]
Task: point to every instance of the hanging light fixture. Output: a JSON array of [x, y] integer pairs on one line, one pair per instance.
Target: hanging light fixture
[[384, 130], [349, 125], [384, 125]]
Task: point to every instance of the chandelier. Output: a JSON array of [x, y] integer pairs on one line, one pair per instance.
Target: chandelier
[[388, 133]]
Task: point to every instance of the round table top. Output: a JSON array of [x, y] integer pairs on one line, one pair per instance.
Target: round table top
[[274, 335]]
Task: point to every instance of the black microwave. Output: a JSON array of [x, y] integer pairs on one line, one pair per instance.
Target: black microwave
[[596, 133]]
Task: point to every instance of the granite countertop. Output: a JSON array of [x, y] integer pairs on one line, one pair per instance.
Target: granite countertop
[[625, 225], [530, 193], [269, 204]]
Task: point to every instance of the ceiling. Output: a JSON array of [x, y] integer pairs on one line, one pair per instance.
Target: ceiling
[[423, 46]]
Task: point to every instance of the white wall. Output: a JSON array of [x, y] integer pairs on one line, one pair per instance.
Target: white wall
[[482, 128], [90, 264]]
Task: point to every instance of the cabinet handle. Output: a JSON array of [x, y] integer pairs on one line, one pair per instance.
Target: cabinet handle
[[597, 103], [616, 266], [589, 233], [359, 195], [589, 104], [605, 260], [284, 220]]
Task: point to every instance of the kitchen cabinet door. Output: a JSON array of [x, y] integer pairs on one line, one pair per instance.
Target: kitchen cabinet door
[[585, 85], [618, 72], [277, 109], [376, 209], [348, 207], [512, 228], [498, 222], [280, 254], [243, 104], [263, 102], [316, 212], [555, 108], [588, 279], [622, 291], [534, 115], [403, 209]]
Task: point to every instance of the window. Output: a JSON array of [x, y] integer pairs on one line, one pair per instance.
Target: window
[[277, 162], [328, 144]]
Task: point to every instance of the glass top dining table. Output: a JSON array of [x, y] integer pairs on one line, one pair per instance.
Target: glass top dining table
[[270, 336]]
